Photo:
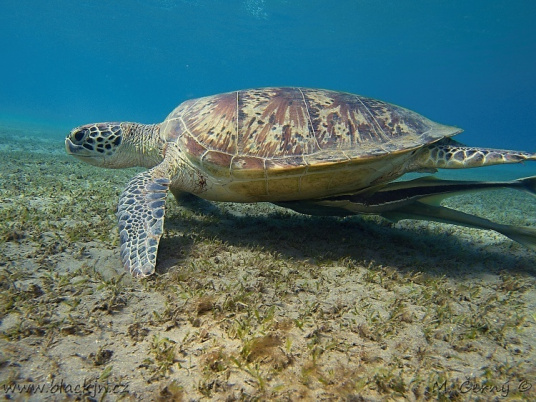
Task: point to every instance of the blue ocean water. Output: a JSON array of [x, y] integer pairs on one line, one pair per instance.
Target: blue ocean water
[[465, 63]]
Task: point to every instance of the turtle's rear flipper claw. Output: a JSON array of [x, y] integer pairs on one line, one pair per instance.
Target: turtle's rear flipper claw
[[141, 221]]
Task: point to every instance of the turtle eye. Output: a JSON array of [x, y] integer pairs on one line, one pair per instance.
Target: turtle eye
[[79, 136]]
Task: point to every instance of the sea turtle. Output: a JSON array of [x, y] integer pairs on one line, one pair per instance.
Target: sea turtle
[[315, 151]]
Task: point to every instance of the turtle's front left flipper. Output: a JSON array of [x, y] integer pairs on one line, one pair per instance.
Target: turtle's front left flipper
[[141, 221]]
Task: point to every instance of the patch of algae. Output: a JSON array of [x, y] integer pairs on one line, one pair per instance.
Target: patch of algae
[[252, 302]]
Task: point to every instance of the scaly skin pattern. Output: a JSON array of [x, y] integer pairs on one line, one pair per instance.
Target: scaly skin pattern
[[117, 145], [459, 157], [140, 216]]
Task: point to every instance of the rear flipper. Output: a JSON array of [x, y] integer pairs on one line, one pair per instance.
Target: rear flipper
[[450, 154]]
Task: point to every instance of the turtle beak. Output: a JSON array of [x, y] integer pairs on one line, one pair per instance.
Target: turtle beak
[[77, 150], [70, 148], [85, 155]]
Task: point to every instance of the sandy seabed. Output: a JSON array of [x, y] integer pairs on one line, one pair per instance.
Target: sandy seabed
[[253, 302]]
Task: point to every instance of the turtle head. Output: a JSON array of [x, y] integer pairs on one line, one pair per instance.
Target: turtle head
[[114, 145]]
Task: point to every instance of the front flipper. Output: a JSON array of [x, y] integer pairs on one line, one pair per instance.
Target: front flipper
[[141, 221]]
